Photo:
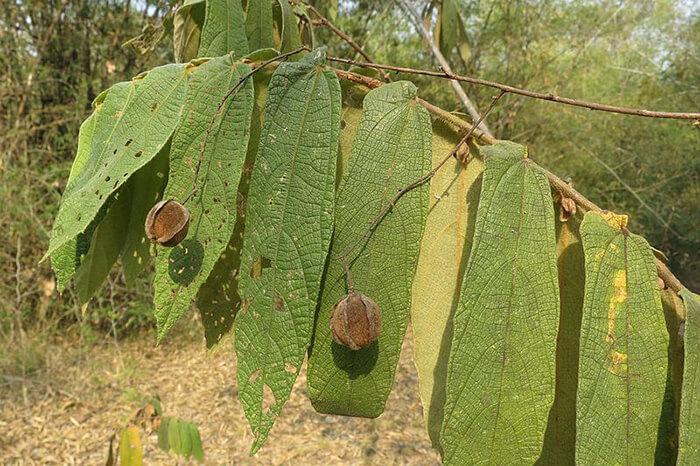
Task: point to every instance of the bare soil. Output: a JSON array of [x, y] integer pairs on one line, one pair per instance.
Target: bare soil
[[66, 412]]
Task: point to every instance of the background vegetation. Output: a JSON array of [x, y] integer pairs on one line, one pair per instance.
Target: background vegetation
[[59, 54]]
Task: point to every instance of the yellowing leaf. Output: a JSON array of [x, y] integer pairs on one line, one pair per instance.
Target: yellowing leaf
[[449, 228], [130, 449], [624, 345]]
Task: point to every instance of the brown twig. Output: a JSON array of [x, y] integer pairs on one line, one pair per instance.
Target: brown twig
[[524, 92], [557, 183], [345, 37]]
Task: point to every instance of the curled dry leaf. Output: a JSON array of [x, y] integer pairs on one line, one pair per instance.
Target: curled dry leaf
[[355, 321], [568, 208], [167, 223], [462, 153]]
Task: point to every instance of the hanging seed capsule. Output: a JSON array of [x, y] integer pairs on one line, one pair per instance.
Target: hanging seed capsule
[[167, 223], [355, 321]]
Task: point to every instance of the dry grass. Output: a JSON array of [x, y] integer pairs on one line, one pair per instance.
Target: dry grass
[[66, 412]]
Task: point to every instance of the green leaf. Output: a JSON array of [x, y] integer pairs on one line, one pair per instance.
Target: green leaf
[[224, 29], [180, 271], [174, 436], [449, 228], [187, 29], [689, 437], [623, 361], [560, 436], [147, 187], [66, 259], [218, 299], [258, 24], [196, 442], [291, 39], [106, 245], [163, 433], [130, 449], [289, 221], [391, 149], [500, 375], [128, 135], [183, 428], [450, 26]]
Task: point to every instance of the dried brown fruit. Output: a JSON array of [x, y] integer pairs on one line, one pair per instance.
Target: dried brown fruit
[[167, 223], [356, 321], [462, 153], [568, 208]]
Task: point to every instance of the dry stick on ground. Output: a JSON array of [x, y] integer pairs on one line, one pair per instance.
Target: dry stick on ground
[[471, 108], [343, 257], [564, 188], [323, 21], [525, 92]]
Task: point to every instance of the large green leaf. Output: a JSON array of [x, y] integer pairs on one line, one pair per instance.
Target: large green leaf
[[214, 168], [623, 361], [560, 436], [258, 24], [449, 228], [501, 371], [130, 132], [289, 221], [689, 430], [391, 149], [224, 29], [106, 245], [187, 29], [290, 37], [218, 299], [147, 187], [66, 259]]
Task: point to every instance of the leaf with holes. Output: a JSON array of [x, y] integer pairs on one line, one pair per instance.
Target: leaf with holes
[[624, 344], [224, 29], [449, 228], [258, 24], [500, 375], [132, 131], [289, 220], [218, 299], [207, 153], [187, 29], [391, 149], [689, 431]]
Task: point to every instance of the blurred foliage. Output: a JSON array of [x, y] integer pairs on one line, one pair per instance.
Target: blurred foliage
[[59, 54]]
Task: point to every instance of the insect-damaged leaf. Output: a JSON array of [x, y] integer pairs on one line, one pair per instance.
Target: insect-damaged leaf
[[258, 24], [623, 359], [224, 29], [129, 133], [500, 375], [689, 430], [218, 299], [449, 228], [289, 221], [216, 164], [391, 149], [187, 29]]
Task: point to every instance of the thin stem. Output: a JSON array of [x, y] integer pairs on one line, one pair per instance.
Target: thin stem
[[220, 108], [343, 257], [444, 74], [344, 36]]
